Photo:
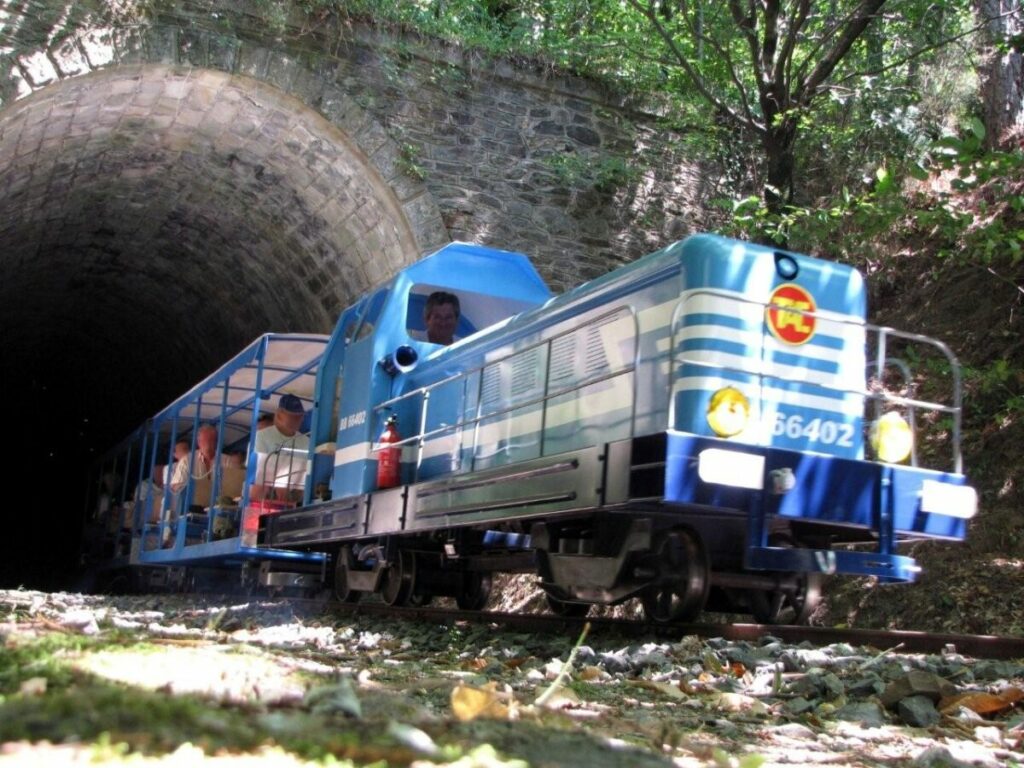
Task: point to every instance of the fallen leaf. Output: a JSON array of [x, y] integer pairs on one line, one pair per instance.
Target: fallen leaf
[[591, 672], [469, 703], [982, 703]]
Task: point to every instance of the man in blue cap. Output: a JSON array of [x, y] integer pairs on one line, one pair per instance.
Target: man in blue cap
[[285, 429], [281, 451]]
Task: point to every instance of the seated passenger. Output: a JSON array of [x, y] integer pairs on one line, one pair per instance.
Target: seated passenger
[[281, 438], [142, 491], [285, 429], [441, 316], [201, 464]]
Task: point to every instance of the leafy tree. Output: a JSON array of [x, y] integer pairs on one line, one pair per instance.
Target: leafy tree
[[1003, 69]]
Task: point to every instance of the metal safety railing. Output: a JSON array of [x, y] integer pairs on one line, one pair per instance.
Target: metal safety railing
[[473, 423]]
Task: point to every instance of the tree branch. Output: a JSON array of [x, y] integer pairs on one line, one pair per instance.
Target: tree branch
[[783, 65], [921, 51], [726, 56], [650, 14], [864, 15]]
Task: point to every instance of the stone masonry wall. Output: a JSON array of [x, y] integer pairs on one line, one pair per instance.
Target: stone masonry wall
[[495, 152]]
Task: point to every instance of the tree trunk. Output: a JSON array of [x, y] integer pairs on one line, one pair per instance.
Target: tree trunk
[[780, 155], [1002, 73]]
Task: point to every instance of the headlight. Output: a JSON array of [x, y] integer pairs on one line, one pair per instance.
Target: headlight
[[728, 412], [891, 438]]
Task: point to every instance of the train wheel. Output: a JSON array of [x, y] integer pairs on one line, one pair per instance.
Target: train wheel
[[680, 589], [787, 606], [476, 588], [420, 599], [569, 610], [399, 579], [342, 591]]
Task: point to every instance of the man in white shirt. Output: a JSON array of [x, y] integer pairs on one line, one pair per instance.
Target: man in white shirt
[[285, 429], [201, 463], [281, 449]]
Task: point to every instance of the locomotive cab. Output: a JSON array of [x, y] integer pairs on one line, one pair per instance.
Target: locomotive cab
[[380, 340]]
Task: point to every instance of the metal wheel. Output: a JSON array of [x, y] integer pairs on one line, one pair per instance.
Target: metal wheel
[[787, 606], [399, 579], [420, 599], [569, 610], [342, 565], [680, 589], [476, 588]]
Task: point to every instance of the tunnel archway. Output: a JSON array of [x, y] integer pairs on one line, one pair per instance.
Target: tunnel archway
[[156, 219]]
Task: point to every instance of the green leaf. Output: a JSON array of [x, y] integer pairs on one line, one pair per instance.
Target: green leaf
[[917, 171], [884, 180], [977, 127]]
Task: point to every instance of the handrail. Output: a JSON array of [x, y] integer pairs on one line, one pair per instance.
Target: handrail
[[479, 416]]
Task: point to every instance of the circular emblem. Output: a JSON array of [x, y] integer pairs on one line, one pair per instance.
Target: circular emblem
[[785, 317]]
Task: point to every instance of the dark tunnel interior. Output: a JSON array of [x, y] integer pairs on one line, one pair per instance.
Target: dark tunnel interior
[[154, 222]]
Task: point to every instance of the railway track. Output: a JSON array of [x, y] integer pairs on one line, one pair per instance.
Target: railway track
[[978, 646]]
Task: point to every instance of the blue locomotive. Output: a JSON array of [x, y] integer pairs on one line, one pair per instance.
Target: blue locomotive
[[714, 426]]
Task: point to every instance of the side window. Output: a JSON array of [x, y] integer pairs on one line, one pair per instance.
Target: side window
[[476, 310]]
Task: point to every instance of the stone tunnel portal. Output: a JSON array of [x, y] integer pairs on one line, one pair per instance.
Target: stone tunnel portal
[[155, 220]]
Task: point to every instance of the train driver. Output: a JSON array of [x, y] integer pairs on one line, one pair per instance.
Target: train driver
[[441, 316]]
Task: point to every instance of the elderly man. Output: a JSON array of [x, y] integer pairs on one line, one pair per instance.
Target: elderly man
[[441, 316], [281, 449], [201, 463]]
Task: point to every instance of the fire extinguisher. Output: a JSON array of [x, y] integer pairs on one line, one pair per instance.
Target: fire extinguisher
[[389, 455]]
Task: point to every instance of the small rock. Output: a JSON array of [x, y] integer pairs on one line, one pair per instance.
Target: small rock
[[799, 705], [989, 735], [794, 731], [997, 670], [652, 659], [938, 757], [872, 685], [916, 683], [553, 669], [84, 621], [918, 711], [867, 713], [616, 661]]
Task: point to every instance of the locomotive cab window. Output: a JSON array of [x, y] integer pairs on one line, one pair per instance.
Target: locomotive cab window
[[472, 311]]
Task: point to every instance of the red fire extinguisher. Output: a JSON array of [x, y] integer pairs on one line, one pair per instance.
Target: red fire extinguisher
[[389, 455]]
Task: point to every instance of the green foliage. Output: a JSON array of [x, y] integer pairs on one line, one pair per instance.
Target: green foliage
[[887, 96], [973, 215], [605, 173], [408, 161], [999, 384]]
